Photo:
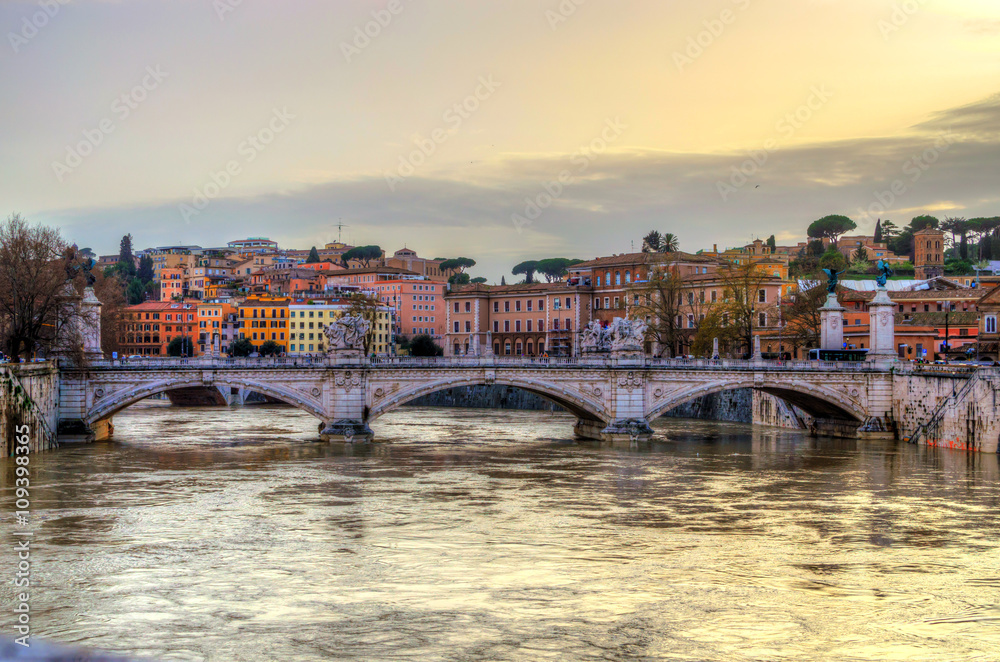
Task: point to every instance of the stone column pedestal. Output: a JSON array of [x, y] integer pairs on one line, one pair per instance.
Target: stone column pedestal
[[90, 318], [882, 325], [346, 431], [832, 322]]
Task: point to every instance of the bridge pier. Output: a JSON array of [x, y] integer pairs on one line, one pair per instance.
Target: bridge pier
[[635, 429], [346, 430]]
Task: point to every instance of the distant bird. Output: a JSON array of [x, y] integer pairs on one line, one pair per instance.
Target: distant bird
[[758, 186]]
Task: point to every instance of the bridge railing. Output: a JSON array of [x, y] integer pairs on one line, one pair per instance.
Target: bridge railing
[[585, 361]]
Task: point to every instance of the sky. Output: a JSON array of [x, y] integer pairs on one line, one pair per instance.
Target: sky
[[501, 131]]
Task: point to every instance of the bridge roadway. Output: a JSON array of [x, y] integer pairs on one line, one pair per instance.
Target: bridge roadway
[[612, 398]]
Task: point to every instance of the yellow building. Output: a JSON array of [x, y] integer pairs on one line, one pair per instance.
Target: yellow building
[[265, 318], [308, 321]]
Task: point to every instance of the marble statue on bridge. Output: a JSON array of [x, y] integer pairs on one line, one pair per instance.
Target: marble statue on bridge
[[621, 335], [347, 333]]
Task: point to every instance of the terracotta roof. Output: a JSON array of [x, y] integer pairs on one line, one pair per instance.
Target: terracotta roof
[[518, 288], [644, 258], [375, 270], [914, 295]]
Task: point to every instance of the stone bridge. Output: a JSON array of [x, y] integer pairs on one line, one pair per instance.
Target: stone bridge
[[612, 399]]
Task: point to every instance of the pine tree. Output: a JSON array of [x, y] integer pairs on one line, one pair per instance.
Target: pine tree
[[878, 231], [503, 281], [126, 259], [313, 256]]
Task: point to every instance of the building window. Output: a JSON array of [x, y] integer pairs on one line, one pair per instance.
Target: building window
[[541, 304], [456, 306], [456, 327], [991, 324], [496, 306], [468, 327], [761, 319], [517, 305], [762, 296], [618, 278], [468, 306], [529, 326], [506, 306], [496, 326], [628, 276], [506, 326]]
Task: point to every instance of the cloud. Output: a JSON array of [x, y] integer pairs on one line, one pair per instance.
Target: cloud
[[606, 209]]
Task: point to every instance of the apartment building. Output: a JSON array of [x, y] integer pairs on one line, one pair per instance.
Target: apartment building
[[149, 327], [264, 318], [308, 319], [517, 320]]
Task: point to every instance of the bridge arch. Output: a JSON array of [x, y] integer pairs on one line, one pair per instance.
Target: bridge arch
[[111, 404], [582, 406], [817, 401]]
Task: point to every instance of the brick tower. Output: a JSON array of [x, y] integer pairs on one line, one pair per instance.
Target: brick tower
[[928, 259]]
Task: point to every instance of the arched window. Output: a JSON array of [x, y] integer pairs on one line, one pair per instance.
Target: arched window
[[618, 278], [628, 276], [598, 280]]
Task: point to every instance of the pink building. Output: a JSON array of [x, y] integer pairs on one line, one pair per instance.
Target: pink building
[[418, 306]]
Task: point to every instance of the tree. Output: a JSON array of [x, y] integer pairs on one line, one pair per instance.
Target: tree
[[831, 227], [889, 230], [528, 268], [740, 303], [135, 292], [31, 280], [458, 264], [878, 232], [126, 259], [715, 325], [424, 345], [802, 318], [555, 268], [478, 279], [180, 346], [860, 255], [815, 247], [363, 254], [772, 243], [459, 279], [660, 301], [269, 348], [918, 223], [651, 242], [241, 347], [313, 256], [145, 273], [503, 281], [669, 243], [833, 259]]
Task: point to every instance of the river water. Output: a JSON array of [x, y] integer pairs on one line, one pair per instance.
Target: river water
[[229, 534]]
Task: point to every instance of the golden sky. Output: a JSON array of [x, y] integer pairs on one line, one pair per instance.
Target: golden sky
[[659, 101]]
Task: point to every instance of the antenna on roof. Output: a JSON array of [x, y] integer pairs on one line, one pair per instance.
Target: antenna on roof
[[340, 226]]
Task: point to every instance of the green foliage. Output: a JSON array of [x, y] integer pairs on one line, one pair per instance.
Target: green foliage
[[269, 348], [958, 267], [651, 242], [458, 264], [878, 231], [126, 259], [241, 347], [459, 279], [833, 259], [831, 226], [528, 268], [363, 254], [555, 268], [771, 242], [889, 230], [145, 272], [904, 269], [135, 293], [478, 279], [313, 256], [424, 345], [918, 223], [860, 255], [815, 247], [180, 346]]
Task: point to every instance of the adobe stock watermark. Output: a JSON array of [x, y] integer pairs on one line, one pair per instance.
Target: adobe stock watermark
[[30, 25], [535, 206], [122, 108], [786, 127], [22, 504], [364, 34], [249, 149], [714, 27], [223, 7], [562, 13], [901, 14], [912, 169], [454, 117]]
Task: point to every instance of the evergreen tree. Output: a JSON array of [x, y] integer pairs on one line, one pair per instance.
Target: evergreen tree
[[135, 292], [878, 231], [771, 242], [145, 273], [503, 281], [313, 256], [126, 259]]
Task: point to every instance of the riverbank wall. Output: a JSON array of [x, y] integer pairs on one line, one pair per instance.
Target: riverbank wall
[[29, 394]]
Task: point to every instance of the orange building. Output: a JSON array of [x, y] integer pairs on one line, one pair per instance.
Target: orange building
[[264, 318], [149, 327], [218, 322], [171, 283]]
